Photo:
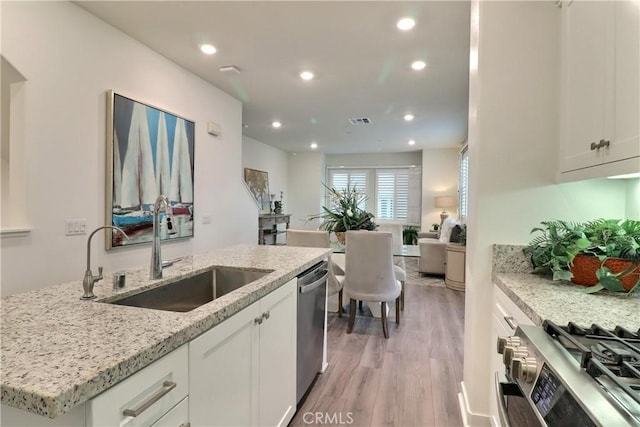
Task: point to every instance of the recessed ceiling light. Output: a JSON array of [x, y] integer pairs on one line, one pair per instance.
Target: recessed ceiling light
[[313, 146], [418, 65], [276, 124], [306, 75], [209, 49], [412, 142], [408, 117], [406, 24]]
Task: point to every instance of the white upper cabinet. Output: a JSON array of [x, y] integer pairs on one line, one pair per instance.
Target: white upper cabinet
[[600, 89]]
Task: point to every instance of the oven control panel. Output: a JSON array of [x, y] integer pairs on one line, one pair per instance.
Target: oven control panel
[[521, 365]]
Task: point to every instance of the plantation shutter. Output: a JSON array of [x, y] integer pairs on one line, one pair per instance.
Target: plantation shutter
[[346, 179], [398, 194], [463, 193]]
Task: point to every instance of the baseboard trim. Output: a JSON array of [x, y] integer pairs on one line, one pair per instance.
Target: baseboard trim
[[469, 419]]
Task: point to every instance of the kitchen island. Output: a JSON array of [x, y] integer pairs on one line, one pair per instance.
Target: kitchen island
[[59, 351]]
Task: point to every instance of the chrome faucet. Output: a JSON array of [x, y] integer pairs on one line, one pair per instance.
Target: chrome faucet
[[162, 203], [89, 279]]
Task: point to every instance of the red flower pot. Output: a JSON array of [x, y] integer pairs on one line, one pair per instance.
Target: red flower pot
[[584, 270]]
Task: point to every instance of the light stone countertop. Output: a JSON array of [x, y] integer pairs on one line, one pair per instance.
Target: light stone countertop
[[59, 351], [541, 298], [562, 302]]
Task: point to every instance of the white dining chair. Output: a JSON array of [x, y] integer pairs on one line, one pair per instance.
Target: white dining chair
[[320, 239], [370, 274], [399, 265]]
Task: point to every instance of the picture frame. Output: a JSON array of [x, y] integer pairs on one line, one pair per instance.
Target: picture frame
[[150, 152], [258, 183]]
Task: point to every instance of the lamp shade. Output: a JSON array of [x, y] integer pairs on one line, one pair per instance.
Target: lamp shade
[[445, 202]]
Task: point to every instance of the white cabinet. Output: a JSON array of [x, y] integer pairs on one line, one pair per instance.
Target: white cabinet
[[146, 396], [505, 319], [242, 372], [600, 124]]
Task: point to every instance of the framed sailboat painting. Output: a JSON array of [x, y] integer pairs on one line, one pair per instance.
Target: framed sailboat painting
[[150, 152]]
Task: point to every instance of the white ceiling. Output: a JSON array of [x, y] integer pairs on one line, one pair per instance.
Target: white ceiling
[[360, 59]]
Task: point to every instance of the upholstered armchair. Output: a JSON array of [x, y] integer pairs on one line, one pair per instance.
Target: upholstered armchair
[[433, 250]]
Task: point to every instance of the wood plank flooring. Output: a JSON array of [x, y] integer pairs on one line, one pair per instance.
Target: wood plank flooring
[[411, 379]]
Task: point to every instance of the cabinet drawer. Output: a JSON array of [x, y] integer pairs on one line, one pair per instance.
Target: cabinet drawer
[[267, 223], [177, 417], [507, 312], [151, 392]]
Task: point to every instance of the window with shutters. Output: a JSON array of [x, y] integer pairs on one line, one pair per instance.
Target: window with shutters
[[463, 193], [346, 179], [393, 193]]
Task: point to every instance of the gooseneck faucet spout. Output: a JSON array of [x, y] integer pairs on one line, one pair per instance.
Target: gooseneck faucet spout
[[162, 203], [89, 279]]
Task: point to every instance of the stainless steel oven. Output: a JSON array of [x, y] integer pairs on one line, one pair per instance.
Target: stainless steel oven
[[560, 376]]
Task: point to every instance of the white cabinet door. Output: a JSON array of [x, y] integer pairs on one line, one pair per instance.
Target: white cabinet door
[[585, 69], [600, 88], [626, 139], [223, 372], [243, 371], [278, 356]]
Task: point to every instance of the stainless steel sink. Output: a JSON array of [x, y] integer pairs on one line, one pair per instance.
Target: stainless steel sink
[[192, 292]]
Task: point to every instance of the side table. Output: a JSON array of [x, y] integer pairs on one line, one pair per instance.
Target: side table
[[454, 270]]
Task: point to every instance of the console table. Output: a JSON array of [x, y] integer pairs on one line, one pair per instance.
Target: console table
[[268, 227]]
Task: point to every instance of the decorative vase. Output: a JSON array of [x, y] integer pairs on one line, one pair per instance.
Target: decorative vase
[[342, 237], [584, 270]]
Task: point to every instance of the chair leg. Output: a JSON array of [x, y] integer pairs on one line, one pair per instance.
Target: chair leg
[[352, 315], [398, 310], [402, 296], [383, 312], [340, 303], [360, 305]]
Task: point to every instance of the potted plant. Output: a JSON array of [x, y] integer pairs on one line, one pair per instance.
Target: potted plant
[[601, 254], [345, 213], [410, 235]]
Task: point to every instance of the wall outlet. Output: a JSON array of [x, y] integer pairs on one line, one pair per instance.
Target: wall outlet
[[74, 227], [206, 219]]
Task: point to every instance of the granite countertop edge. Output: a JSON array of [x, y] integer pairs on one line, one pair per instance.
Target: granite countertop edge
[[174, 330], [541, 298]]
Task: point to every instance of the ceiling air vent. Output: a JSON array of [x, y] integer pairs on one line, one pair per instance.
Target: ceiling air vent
[[360, 121]]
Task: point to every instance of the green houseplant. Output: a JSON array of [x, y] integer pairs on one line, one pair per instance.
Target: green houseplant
[[410, 235], [601, 254], [345, 212]]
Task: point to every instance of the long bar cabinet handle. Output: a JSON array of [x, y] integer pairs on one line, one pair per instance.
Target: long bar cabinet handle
[[167, 386]]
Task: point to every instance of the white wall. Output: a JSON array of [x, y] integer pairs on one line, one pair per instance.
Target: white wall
[[259, 156], [306, 193], [374, 159], [440, 174], [513, 140], [70, 59], [633, 199]]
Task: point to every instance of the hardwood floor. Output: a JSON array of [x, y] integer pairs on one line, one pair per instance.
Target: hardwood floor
[[411, 379]]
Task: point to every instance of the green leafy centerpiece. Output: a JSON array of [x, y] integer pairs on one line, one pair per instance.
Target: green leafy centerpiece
[[600, 254], [345, 213]]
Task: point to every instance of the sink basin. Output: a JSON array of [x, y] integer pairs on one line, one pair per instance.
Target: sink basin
[[186, 294]]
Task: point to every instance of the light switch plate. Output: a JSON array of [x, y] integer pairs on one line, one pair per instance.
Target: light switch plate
[[74, 227]]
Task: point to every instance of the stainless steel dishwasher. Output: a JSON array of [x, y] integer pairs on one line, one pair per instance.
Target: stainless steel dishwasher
[[312, 289]]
